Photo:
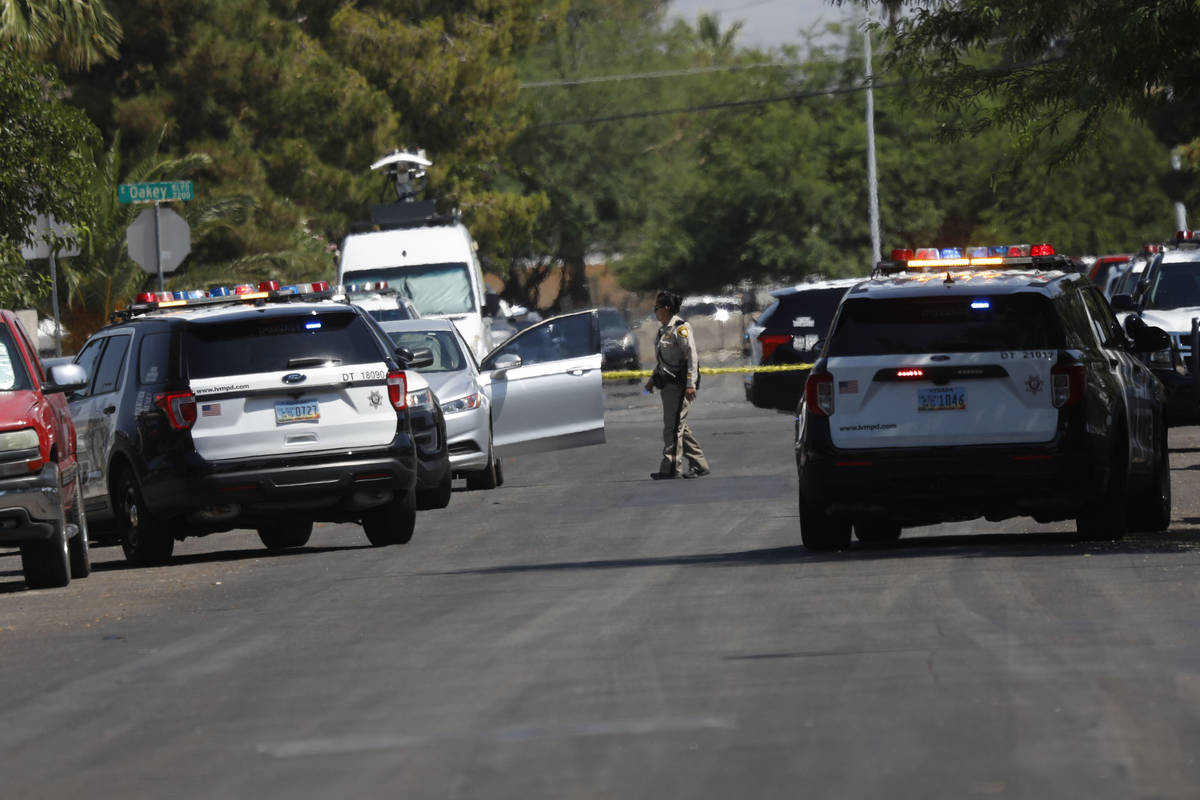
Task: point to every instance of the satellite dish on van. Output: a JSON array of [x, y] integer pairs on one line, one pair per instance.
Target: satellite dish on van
[[403, 171]]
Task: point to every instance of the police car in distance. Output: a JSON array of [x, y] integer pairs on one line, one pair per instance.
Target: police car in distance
[[1167, 295], [992, 384]]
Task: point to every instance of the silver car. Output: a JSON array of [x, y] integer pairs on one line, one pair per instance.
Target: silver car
[[540, 390]]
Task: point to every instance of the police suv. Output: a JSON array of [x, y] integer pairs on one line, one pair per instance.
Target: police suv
[[995, 384], [1167, 295], [265, 407]]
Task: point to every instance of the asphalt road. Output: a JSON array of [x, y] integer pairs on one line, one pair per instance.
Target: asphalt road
[[584, 632]]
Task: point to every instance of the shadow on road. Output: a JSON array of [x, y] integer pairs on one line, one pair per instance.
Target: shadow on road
[[985, 545], [218, 556]]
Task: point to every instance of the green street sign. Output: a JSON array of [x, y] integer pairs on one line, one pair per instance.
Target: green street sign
[[154, 192]]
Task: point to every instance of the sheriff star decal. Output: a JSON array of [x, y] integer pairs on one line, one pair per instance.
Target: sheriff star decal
[[375, 399], [1033, 384]]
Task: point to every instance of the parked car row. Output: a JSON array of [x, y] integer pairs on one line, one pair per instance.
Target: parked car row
[[274, 409]]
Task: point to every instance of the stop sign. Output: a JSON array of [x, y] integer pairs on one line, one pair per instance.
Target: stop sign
[[174, 240]]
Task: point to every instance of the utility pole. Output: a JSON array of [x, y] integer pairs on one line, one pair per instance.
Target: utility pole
[[872, 180]]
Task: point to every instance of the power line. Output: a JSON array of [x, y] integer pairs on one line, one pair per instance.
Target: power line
[[668, 73], [829, 92]]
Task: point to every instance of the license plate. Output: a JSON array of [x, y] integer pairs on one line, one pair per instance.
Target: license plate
[[297, 412], [949, 398]]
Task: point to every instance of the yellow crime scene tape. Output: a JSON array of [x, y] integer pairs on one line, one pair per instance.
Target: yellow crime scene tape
[[626, 374]]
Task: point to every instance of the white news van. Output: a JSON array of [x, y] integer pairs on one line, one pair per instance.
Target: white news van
[[431, 258]]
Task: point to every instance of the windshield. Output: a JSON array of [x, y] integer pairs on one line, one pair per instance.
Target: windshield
[[12, 369], [434, 288], [447, 355], [1176, 286]]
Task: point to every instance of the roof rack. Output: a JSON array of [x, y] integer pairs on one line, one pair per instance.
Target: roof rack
[[247, 293]]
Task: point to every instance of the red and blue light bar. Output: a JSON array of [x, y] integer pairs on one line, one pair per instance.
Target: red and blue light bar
[[976, 256], [265, 290]]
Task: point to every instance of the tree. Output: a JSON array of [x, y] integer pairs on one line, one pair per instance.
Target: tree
[[74, 34], [44, 165]]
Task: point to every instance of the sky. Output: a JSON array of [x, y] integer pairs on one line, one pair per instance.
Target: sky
[[768, 23]]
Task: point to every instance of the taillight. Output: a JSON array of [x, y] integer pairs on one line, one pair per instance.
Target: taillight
[[180, 408], [1066, 384], [397, 390], [818, 393], [771, 341]]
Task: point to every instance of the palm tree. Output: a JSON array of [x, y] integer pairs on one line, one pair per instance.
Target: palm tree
[[73, 34]]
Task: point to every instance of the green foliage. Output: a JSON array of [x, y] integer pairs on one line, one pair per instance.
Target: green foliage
[[44, 147], [71, 33]]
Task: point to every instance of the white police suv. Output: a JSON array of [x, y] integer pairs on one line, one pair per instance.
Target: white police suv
[[992, 384], [1167, 295]]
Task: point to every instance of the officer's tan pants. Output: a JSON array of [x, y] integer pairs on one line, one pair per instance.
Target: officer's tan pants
[[678, 441]]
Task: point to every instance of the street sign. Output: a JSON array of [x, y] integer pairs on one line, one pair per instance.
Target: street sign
[[39, 232], [173, 235], [154, 192]]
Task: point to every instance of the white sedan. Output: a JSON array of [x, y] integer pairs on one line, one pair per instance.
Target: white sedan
[[540, 390]]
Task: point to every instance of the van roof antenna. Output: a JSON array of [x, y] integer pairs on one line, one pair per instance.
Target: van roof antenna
[[404, 170]]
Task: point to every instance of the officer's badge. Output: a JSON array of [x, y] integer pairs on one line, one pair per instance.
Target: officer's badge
[[683, 332]]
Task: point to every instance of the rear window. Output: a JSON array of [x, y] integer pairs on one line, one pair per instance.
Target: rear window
[[803, 312], [945, 325], [278, 343]]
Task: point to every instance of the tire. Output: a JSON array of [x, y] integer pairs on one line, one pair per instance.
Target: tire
[[144, 537], [1105, 517], [488, 477], [1150, 509], [393, 523], [77, 547], [877, 532], [820, 532], [47, 564], [437, 497], [285, 534]]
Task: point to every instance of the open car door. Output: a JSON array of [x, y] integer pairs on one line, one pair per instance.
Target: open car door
[[545, 386]]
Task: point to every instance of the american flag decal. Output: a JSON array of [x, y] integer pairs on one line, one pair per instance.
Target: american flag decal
[[210, 409], [848, 387]]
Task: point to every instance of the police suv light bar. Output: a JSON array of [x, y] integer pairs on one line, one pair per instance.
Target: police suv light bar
[[265, 291], [933, 258]]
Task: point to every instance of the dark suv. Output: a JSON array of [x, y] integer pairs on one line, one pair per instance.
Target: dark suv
[[989, 387], [788, 333], [271, 410]]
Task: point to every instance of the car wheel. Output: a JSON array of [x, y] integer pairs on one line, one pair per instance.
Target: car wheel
[[286, 533], [437, 497], [487, 477], [144, 538], [77, 546], [877, 532], [819, 531], [1105, 518], [47, 563], [392, 523], [1150, 510]]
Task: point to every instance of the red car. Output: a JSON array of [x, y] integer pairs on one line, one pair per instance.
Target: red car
[[41, 497]]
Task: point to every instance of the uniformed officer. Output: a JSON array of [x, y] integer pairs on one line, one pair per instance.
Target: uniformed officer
[[676, 375]]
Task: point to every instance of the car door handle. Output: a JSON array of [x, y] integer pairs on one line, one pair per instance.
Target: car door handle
[[578, 371], [110, 409]]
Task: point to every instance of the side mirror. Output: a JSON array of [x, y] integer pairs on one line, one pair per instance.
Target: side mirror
[[415, 359], [65, 378], [1122, 302], [503, 363], [491, 304], [1148, 339]]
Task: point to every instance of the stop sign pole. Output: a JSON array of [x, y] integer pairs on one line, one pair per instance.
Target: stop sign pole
[[156, 193]]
